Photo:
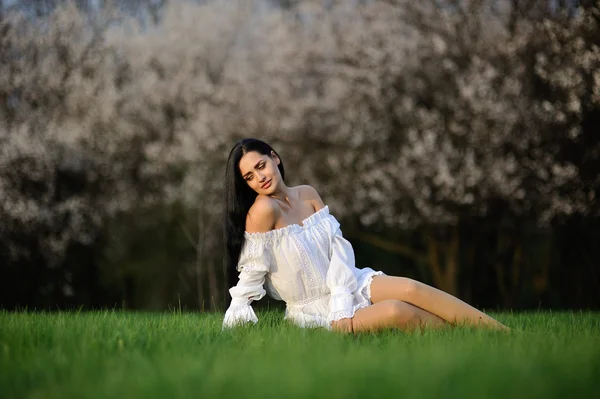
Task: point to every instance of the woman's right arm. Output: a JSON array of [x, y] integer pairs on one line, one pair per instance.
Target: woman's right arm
[[249, 288], [253, 265]]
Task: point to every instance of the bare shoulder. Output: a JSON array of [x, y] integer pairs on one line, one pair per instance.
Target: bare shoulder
[[308, 193], [262, 215]]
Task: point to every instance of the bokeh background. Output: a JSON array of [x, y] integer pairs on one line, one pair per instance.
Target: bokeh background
[[458, 141]]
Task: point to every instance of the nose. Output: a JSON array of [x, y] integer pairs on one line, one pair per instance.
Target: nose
[[261, 177]]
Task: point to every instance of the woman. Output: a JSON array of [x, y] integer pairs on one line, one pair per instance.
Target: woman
[[285, 240]]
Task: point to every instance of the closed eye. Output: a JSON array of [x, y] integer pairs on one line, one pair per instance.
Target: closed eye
[[259, 166]]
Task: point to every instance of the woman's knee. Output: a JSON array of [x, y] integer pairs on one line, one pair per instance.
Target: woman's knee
[[400, 288], [409, 288], [400, 312]]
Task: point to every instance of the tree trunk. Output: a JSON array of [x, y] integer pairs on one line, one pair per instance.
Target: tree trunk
[[444, 269], [509, 281], [199, 268], [441, 259]]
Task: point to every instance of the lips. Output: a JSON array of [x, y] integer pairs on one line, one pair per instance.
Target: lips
[[266, 185]]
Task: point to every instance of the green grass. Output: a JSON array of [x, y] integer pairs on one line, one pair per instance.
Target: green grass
[[137, 355]]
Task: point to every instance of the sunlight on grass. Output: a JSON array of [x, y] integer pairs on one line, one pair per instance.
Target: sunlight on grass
[[141, 355]]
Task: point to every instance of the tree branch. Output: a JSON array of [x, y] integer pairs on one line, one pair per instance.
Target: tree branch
[[389, 246]]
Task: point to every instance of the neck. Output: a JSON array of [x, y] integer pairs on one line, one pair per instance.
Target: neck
[[283, 193]]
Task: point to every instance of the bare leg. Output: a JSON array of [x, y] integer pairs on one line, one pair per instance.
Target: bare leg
[[393, 314], [431, 299]]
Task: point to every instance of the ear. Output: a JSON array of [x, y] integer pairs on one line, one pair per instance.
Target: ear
[[275, 157]]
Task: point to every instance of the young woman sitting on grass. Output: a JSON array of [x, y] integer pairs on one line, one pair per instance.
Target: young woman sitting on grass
[[284, 241]]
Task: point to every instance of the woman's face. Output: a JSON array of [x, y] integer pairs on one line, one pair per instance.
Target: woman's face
[[260, 172]]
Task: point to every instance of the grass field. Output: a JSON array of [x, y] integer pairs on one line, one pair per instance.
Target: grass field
[[170, 355]]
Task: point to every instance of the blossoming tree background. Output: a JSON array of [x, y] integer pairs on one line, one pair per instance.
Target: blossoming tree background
[[457, 141]]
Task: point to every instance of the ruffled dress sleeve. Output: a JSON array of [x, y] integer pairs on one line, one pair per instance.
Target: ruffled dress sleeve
[[341, 279], [253, 267]]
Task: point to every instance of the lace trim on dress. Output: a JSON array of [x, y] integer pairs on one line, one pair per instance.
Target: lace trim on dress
[[307, 301], [345, 313], [251, 257], [323, 237], [339, 315], [252, 267], [369, 281], [306, 266], [316, 217]]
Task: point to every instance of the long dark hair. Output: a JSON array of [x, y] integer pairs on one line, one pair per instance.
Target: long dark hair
[[239, 197]]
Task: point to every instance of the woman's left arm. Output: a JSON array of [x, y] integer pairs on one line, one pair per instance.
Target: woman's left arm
[[341, 279]]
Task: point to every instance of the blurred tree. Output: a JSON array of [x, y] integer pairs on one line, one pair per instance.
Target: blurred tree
[[449, 132], [423, 119]]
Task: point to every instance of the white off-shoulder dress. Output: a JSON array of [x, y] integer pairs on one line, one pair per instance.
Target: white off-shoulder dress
[[310, 266]]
